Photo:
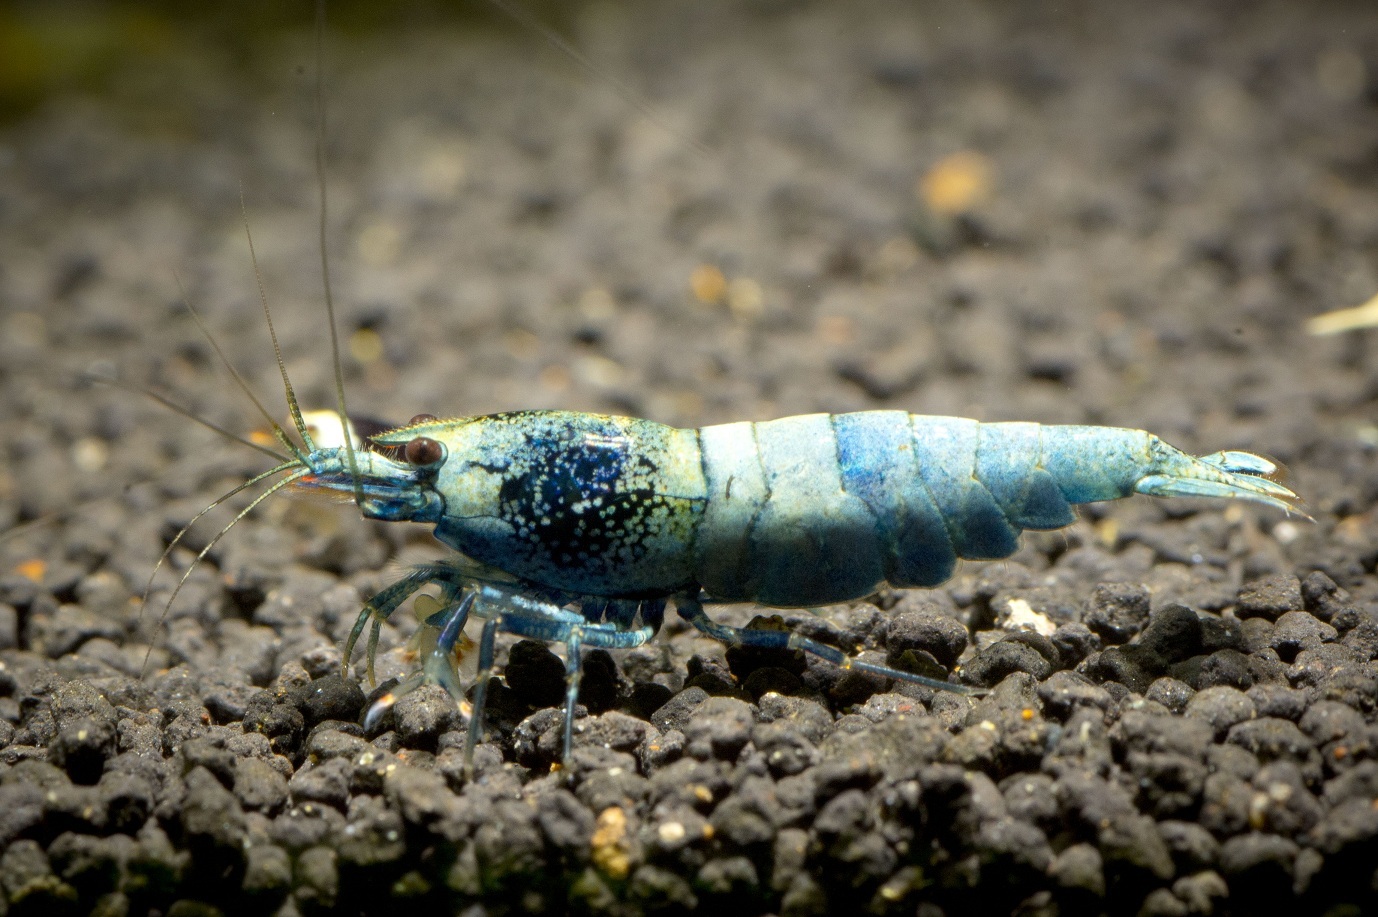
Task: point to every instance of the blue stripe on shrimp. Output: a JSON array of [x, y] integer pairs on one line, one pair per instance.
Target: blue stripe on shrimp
[[1009, 462], [875, 452], [945, 448]]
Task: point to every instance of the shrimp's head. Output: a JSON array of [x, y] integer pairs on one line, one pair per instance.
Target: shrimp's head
[[393, 477]]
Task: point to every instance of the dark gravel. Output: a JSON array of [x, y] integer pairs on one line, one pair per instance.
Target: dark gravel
[[1183, 716]]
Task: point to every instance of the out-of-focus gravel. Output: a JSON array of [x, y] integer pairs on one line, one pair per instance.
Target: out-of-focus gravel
[[1184, 722]]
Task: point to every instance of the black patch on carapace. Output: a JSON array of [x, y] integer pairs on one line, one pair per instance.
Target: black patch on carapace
[[580, 500]]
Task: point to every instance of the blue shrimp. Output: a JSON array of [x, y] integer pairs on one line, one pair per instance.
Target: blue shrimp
[[577, 528]]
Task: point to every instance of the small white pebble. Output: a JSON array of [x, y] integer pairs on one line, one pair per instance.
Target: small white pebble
[[1021, 616], [90, 454]]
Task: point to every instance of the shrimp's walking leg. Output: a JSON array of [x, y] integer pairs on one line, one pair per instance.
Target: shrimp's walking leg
[[378, 609], [574, 662], [605, 636], [438, 666], [511, 611], [485, 671], [524, 617], [691, 610]]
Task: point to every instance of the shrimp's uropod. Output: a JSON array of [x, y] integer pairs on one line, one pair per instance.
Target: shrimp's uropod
[[577, 528]]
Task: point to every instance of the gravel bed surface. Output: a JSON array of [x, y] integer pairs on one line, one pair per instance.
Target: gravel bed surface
[[1183, 715]]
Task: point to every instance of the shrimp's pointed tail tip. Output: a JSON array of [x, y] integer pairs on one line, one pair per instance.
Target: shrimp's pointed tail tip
[[1225, 475]]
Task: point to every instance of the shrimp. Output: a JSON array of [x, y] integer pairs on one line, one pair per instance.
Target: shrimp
[[579, 528]]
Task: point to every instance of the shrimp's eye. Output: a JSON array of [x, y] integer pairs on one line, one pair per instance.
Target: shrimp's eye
[[421, 418], [423, 451]]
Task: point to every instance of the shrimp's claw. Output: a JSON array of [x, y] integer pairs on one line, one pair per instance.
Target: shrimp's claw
[[1222, 475], [441, 643], [386, 701]]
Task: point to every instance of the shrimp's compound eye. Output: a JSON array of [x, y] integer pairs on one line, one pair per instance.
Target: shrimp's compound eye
[[423, 451], [421, 418]]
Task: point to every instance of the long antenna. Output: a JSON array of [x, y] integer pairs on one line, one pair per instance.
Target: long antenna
[[290, 392], [325, 258], [186, 412], [201, 555], [244, 387], [186, 530]]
